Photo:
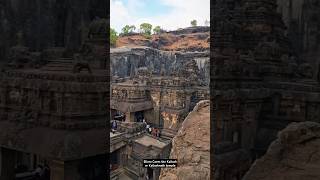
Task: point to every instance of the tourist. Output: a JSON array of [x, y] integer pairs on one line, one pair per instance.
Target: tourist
[[38, 172], [150, 129], [158, 133], [46, 174], [144, 123], [154, 132], [147, 128], [114, 126]]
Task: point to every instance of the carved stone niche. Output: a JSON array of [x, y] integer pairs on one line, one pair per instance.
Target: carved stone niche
[[14, 97]]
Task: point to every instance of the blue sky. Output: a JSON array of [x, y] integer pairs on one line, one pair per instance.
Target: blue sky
[[150, 8], [169, 14]]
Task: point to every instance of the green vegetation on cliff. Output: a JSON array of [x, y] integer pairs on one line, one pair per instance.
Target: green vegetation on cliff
[[113, 37]]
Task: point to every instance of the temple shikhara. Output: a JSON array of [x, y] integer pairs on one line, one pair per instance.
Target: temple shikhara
[[53, 112]]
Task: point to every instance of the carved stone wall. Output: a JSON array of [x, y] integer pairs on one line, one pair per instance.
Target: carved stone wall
[[258, 84], [40, 100]]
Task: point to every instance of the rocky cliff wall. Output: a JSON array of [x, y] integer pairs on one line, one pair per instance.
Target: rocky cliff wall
[[126, 61], [47, 23], [295, 155], [303, 24], [191, 147]]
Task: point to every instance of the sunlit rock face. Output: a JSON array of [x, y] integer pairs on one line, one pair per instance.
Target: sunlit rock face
[[294, 155], [171, 120], [189, 39], [191, 147]]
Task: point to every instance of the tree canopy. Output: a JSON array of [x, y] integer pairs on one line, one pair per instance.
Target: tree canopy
[[146, 28], [113, 37], [128, 29], [157, 30], [194, 23]]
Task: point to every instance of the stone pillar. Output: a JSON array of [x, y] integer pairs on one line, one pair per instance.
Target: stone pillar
[[32, 161], [57, 170], [156, 98], [7, 164], [157, 116], [129, 117]]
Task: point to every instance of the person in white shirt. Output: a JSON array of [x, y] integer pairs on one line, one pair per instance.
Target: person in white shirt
[[147, 127]]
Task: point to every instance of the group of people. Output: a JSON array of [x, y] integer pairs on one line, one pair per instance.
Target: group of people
[[155, 132]]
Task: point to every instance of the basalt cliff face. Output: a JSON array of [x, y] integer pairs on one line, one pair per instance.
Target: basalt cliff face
[[127, 62], [165, 54], [191, 147], [303, 24], [295, 155], [47, 23]]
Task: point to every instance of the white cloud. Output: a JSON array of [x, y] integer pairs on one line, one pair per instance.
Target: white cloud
[[119, 14], [179, 16]]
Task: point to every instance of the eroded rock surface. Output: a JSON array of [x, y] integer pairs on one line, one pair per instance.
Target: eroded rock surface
[[295, 155], [187, 39], [191, 147]]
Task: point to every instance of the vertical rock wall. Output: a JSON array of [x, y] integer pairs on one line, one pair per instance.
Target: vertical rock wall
[[191, 147], [303, 25], [126, 61], [47, 23]]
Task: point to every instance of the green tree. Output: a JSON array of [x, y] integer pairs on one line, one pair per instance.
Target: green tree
[[194, 23], [146, 28], [132, 28], [113, 37], [157, 30], [128, 29]]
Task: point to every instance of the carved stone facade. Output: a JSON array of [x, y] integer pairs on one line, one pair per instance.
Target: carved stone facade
[[169, 84], [50, 114], [259, 86]]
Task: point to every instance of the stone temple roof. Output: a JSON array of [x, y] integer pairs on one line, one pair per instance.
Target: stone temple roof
[[131, 106], [149, 141]]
